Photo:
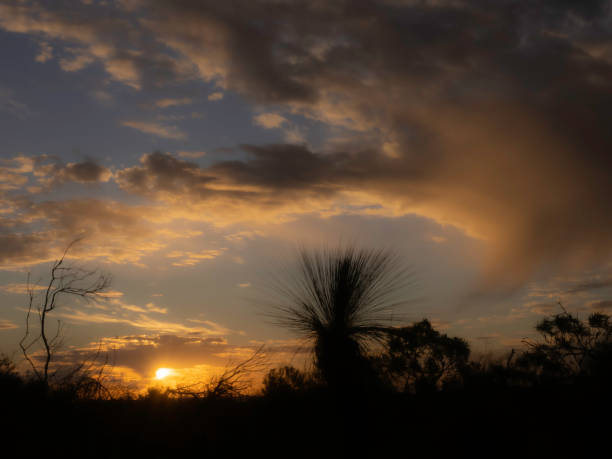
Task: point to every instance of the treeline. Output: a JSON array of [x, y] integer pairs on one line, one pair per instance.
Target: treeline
[[419, 389], [411, 360]]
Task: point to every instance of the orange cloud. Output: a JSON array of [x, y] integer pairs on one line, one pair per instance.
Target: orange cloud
[[7, 325], [169, 102], [193, 258], [269, 120]]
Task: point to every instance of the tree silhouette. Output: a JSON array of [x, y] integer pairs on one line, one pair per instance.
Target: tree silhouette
[[342, 299], [419, 358], [65, 280], [570, 349]]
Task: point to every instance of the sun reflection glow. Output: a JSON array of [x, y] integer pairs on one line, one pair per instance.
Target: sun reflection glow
[[161, 373]]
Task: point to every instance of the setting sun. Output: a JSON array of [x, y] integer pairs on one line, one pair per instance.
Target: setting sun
[[161, 373]]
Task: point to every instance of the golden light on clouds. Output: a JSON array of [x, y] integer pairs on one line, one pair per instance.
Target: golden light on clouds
[[225, 146]]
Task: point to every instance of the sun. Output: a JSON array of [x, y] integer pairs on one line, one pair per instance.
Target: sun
[[161, 373]]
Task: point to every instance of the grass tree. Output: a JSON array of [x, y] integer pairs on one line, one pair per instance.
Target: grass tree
[[343, 300]]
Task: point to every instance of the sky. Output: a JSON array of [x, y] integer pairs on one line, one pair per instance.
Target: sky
[[195, 146]]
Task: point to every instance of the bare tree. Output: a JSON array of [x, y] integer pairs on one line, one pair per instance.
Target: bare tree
[[66, 280]]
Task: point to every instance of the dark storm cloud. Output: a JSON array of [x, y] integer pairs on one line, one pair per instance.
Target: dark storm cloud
[[87, 171], [283, 172], [489, 115], [495, 111], [16, 248], [281, 167], [163, 173]]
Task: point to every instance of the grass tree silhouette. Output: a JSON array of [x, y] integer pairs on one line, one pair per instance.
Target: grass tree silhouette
[[343, 300]]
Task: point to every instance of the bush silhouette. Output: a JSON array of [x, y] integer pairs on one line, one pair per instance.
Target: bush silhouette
[[287, 380], [570, 349], [418, 358], [10, 381]]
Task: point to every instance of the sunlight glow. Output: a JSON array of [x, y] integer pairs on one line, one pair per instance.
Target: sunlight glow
[[161, 373]]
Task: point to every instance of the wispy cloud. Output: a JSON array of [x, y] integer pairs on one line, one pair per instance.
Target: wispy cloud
[[215, 96], [45, 52], [193, 258], [7, 325], [142, 321], [20, 289], [164, 103], [10, 104], [156, 129]]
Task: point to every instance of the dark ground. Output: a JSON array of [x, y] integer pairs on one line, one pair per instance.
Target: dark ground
[[478, 421]]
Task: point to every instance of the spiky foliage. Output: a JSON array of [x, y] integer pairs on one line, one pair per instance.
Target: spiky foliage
[[343, 300]]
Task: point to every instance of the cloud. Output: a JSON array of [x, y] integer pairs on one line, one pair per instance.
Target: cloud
[[110, 294], [193, 357], [276, 178], [10, 180], [111, 301], [164, 103], [11, 105], [140, 321], [492, 118], [156, 129], [48, 171], [20, 289], [84, 172], [215, 96], [235, 191], [89, 34], [295, 135], [18, 250], [45, 53], [269, 120], [77, 61], [193, 258], [7, 325], [593, 284], [600, 306], [161, 173], [191, 154], [113, 231], [469, 102]]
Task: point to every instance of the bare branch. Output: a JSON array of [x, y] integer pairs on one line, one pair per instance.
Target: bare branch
[[234, 381], [65, 280]]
